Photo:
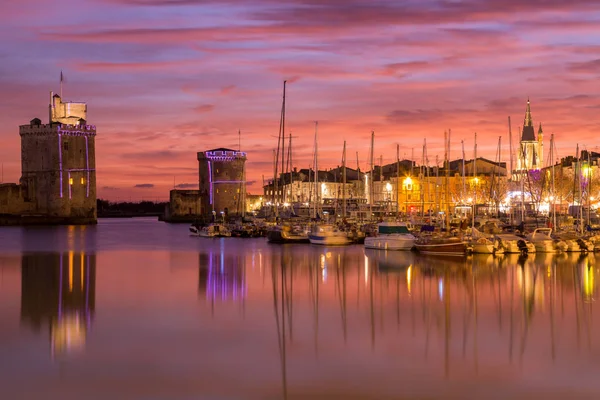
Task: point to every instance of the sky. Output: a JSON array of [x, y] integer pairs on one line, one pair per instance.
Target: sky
[[164, 79]]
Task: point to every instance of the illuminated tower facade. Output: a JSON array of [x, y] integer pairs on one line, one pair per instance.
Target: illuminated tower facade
[[58, 164], [222, 182], [531, 150]]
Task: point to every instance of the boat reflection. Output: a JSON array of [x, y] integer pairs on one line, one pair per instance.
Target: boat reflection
[[390, 261], [435, 302], [58, 291]]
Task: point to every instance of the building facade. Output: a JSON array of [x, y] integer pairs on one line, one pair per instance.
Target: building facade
[[58, 170]]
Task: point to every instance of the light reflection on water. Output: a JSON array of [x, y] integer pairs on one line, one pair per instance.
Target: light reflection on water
[[168, 316]]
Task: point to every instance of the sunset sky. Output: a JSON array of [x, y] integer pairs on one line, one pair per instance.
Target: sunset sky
[[164, 79]]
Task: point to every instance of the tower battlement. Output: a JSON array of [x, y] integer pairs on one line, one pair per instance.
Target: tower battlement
[[222, 155], [57, 129]]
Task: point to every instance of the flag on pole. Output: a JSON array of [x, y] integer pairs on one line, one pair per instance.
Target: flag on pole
[[62, 79]]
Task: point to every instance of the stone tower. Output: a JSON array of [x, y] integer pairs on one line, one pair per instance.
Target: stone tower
[[530, 155], [222, 182], [58, 164]]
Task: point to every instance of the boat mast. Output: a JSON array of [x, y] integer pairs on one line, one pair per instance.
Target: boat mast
[[553, 181], [428, 183], [283, 171], [344, 181], [371, 173], [577, 181], [316, 204], [447, 194], [275, 186], [464, 189], [421, 180], [290, 169], [510, 149], [397, 181], [475, 179], [589, 186]]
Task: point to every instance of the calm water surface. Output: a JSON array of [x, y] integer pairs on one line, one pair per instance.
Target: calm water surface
[[137, 309]]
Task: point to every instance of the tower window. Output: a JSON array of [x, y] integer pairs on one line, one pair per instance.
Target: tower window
[[65, 146], [83, 181], [70, 181]]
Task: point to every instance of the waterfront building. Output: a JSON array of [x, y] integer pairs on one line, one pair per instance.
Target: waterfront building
[[221, 189], [58, 163], [222, 182]]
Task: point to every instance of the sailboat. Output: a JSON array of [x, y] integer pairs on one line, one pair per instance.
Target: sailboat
[[287, 232], [442, 244]]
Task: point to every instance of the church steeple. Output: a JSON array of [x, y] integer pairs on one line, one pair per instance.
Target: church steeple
[[528, 134], [527, 121], [540, 132]]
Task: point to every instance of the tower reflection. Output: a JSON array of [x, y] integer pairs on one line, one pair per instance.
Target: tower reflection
[[221, 276], [58, 291]]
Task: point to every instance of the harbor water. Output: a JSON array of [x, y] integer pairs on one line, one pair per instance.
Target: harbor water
[[138, 309]]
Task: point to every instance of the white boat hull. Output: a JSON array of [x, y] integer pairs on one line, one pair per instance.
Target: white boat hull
[[485, 248], [390, 242]]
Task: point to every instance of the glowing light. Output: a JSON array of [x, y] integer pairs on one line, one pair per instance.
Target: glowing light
[[588, 282], [60, 166], [388, 187], [70, 181], [70, 271], [210, 184], [441, 289], [409, 278], [87, 166], [366, 269]]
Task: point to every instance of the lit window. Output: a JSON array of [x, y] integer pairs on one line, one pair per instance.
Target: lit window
[[70, 181], [83, 181], [238, 190]]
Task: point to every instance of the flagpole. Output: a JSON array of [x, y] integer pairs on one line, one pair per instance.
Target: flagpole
[[61, 84]]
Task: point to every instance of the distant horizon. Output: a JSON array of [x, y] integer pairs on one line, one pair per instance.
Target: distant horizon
[[166, 79]]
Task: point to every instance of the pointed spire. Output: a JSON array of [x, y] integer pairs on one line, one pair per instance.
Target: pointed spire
[[528, 121], [540, 131]]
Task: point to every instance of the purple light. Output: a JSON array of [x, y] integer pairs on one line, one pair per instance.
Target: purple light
[[224, 155], [60, 163], [210, 183], [87, 166], [60, 284]]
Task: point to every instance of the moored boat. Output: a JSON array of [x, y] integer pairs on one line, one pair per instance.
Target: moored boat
[[391, 236], [544, 242], [213, 230], [329, 235], [575, 243], [443, 245], [514, 244], [287, 233]]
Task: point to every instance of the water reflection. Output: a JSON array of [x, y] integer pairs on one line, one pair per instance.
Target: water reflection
[[221, 275], [460, 311], [298, 321], [58, 292]]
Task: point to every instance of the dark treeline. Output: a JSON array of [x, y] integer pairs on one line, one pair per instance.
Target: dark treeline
[[127, 209]]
